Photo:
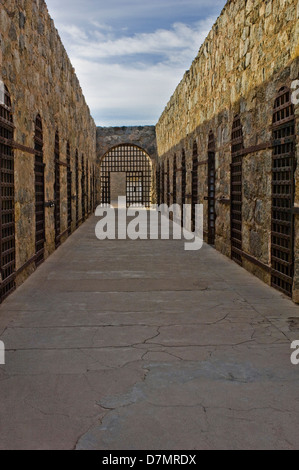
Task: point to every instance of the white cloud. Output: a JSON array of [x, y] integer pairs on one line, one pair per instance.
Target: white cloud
[[132, 88], [102, 26], [75, 33], [130, 55], [100, 46], [125, 95]]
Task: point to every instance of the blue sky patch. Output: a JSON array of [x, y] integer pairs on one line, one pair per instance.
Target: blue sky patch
[[130, 55]]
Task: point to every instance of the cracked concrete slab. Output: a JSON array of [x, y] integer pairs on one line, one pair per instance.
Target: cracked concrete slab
[[123, 345]]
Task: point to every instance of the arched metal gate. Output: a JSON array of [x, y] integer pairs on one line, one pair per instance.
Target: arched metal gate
[[83, 188], [69, 188], [7, 211], [168, 183], [136, 165], [77, 187], [57, 191], [39, 171], [174, 185], [283, 188], [236, 191], [194, 184], [211, 189], [184, 184], [184, 178], [158, 183], [162, 182]]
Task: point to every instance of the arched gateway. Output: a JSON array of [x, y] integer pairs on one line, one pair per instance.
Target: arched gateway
[[126, 170]]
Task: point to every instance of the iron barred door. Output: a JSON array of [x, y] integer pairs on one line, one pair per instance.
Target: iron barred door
[[69, 188], [136, 164], [93, 189], [134, 188], [174, 186], [83, 189], [162, 184], [211, 190], [283, 187], [168, 184], [87, 189], [39, 168], [7, 215], [57, 191], [77, 188], [184, 177], [236, 191], [184, 183], [194, 184], [158, 183]]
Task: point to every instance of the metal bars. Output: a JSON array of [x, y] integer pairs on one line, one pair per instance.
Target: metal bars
[[174, 185], [57, 190], [184, 177], [83, 188], [69, 188], [87, 188], [162, 195], [39, 173], [94, 188], [283, 187], [168, 184], [236, 191], [136, 164], [7, 219], [77, 187], [158, 183], [211, 189], [194, 184]]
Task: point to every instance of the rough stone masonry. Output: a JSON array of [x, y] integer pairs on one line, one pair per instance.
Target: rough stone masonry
[[248, 60], [41, 81]]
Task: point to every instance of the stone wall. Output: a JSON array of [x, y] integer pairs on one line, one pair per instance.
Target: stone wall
[[41, 80], [144, 137], [251, 52]]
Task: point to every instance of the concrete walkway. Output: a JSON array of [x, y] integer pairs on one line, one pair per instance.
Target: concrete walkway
[[142, 345]]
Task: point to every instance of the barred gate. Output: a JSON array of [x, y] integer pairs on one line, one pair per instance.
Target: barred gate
[[7, 215], [194, 184], [184, 178], [94, 188], [77, 187], [158, 185], [83, 189], [174, 185], [133, 161], [39, 172], [211, 189], [184, 183], [162, 198], [87, 188], [168, 184], [57, 190], [283, 188], [69, 188], [236, 191]]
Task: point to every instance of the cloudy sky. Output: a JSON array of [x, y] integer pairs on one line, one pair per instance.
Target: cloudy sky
[[130, 55]]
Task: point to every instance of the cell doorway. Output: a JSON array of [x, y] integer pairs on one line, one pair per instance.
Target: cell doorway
[[126, 170]]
